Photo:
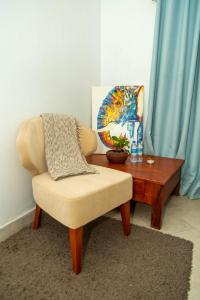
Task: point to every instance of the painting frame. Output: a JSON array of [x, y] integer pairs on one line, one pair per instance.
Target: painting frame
[[118, 110]]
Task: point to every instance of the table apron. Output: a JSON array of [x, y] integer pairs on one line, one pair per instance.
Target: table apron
[[149, 192]]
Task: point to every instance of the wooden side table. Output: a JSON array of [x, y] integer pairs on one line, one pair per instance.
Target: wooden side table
[[152, 184]]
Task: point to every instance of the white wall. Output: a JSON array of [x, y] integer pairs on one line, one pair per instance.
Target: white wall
[[49, 58], [127, 28]]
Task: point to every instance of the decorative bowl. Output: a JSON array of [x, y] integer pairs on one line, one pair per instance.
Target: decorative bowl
[[117, 157]]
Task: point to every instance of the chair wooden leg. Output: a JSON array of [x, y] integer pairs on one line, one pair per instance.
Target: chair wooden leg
[[76, 244], [125, 215], [37, 217]]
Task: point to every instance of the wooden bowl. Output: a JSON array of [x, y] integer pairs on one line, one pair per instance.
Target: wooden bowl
[[116, 157]]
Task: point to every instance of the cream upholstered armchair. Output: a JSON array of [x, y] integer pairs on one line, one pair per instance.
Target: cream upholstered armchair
[[73, 201]]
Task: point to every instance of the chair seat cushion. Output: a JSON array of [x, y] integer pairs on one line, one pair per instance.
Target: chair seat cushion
[[77, 200]]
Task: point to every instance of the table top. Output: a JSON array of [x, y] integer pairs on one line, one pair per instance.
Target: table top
[[159, 172]]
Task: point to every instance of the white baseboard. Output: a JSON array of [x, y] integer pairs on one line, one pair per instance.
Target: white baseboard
[[16, 225]]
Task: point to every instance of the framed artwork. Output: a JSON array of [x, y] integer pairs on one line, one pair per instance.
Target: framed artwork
[[116, 111]]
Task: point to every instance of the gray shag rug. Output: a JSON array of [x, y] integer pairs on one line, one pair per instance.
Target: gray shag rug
[[145, 265]]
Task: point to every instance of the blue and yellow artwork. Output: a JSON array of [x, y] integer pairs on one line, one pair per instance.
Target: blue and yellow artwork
[[118, 111]]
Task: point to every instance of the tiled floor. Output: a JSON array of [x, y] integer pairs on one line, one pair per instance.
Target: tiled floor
[[181, 218]]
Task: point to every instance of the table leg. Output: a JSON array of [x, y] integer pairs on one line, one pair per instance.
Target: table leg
[[133, 205], [125, 215], [156, 214], [176, 190]]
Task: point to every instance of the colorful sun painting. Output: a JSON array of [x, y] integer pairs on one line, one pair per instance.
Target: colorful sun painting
[[117, 111]]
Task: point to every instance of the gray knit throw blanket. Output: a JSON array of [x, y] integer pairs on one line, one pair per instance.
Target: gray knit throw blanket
[[63, 153]]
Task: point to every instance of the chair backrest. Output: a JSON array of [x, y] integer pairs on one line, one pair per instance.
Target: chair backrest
[[30, 144]]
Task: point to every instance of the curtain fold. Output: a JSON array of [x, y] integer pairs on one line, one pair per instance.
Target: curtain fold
[[173, 123]]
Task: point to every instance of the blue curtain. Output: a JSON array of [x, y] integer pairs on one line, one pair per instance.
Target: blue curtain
[[173, 123]]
